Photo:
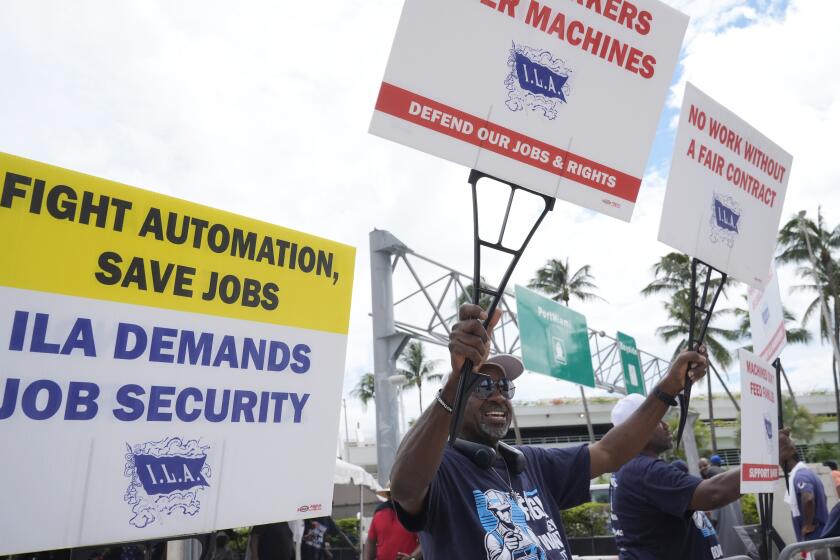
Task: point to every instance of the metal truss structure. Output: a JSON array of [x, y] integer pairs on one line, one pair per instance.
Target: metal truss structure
[[433, 293]]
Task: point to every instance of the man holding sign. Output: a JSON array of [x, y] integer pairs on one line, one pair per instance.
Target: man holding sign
[[657, 509], [508, 506]]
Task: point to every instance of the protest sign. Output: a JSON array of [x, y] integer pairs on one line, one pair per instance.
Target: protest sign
[[759, 425], [554, 339], [631, 365], [555, 96], [166, 365], [767, 320], [725, 191]]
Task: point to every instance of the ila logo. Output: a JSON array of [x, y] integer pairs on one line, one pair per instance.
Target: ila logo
[[536, 81], [167, 476], [726, 215]]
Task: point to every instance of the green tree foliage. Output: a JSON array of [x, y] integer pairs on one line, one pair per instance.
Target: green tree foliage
[[466, 296], [555, 280], [824, 452], [587, 520], [825, 278], [702, 434], [417, 368], [748, 506], [364, 390], [803, 425], [672, 278]]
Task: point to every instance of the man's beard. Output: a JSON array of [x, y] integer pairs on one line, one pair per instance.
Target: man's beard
[[493, 431]]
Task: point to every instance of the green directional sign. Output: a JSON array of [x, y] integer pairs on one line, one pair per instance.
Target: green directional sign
[[554, 338], [634, 381]]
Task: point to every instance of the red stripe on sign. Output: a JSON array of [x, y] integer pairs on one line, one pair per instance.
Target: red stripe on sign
[[759, 473], [430, 114], [774, 343]]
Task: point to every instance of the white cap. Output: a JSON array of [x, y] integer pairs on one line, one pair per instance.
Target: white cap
[[624, 408]]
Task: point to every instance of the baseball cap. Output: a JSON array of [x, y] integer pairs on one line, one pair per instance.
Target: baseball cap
[[715, 460], [624, 408], [510, 365]]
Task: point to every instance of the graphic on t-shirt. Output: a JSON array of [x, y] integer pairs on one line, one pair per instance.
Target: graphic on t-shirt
[[508, 535], [314, 536], [701, 521]]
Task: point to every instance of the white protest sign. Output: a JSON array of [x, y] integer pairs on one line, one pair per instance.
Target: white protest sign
[[552, 95], [759, 425], [767, 320], [725, 190], [166, 366]]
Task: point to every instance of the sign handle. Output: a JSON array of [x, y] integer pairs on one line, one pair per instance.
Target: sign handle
[[468, 378], [702, 305], [777, 363]]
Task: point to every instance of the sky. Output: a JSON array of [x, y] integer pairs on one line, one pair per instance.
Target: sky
[[262, 109]]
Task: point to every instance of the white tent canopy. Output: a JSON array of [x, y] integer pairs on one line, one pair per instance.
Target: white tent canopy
[[354, 490], [348, 473]]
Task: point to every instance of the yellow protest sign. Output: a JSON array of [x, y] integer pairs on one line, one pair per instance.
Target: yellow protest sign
[[73, 234]]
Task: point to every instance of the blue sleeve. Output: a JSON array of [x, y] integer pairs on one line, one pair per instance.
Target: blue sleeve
[[566, 471], [803, 483], [413, 522], [669, 489]]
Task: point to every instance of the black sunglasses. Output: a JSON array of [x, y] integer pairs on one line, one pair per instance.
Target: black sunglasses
[[484, 388]]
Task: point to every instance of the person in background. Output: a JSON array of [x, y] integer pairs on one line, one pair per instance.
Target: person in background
[[805, 494], [707, 469], [387, 539], [222, 552], [272, 541], [835, 475], [315, 545]]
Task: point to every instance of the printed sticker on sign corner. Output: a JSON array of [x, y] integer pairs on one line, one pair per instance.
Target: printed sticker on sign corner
[[167, 477]]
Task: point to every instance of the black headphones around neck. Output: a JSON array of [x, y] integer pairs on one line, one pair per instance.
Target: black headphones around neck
[[483, 456]]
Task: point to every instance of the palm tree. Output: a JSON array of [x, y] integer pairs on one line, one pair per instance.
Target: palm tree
[[672, 277], [365, 389], [484, 300], [417, 368], [554, 279], [679, 313], [803, 425], [822, 276]]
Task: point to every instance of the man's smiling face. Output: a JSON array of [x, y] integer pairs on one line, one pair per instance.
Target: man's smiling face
[[487, 421]]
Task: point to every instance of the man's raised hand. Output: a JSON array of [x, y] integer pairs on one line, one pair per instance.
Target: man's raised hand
[[469, 340]]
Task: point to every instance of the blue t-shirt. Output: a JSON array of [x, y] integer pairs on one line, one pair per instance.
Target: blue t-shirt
[[651, 518], [806, 481], [470, 514]]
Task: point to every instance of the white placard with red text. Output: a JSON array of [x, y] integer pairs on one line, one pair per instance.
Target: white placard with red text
[[551, 95], [767, 321], [759, 425], [725, 190]]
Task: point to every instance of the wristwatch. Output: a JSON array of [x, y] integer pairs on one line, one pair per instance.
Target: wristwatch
[[664, 397]]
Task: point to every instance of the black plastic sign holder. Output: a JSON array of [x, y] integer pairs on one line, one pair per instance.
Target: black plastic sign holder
[[469, 378], [704, 306]]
